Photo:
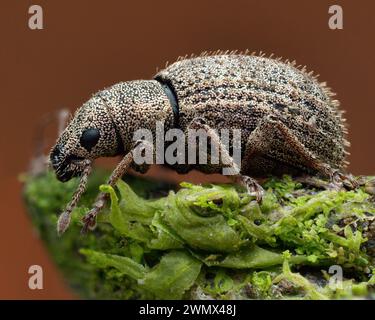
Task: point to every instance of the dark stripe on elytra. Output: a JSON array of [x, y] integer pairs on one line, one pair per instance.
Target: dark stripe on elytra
[[308, 101]]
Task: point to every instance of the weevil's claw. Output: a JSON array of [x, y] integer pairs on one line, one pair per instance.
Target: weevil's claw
[[89, 221], [63, 222], [351, 182], [347, 180], [253, 188]]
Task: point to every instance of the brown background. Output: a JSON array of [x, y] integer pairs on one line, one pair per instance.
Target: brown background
[[87, 45]]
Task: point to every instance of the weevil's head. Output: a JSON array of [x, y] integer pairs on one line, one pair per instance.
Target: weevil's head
[[89, 135]]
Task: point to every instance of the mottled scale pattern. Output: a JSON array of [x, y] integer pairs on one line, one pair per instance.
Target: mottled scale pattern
[[289, 122], [116, 112], [92, 114], [238, 91], [137, 104]]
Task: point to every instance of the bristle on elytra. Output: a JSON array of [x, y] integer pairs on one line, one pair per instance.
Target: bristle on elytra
[[246, 52], [302, 68], [336, 103]]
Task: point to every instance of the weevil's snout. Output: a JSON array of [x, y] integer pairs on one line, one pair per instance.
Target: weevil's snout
[[65, 166], [90, 134], [55, 157]]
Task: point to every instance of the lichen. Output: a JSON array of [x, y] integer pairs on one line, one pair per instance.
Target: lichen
[[210, 241]]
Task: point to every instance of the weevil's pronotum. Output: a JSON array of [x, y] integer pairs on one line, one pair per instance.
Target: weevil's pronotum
[[289, 122]]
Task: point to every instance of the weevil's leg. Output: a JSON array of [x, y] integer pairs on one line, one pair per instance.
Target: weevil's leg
[[271, 131], [64, 218], [316, 182], [251, 185], [339, 178], [122, 168]]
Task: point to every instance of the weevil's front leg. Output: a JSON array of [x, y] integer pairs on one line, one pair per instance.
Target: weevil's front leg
[[271, 135], [251, 185], [122, 168], [64, 218]]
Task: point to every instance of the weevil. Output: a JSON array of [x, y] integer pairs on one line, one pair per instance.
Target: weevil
[[290, 123]]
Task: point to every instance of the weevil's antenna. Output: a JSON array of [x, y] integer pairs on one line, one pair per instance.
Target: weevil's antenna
[[39, 162], [64, 218]]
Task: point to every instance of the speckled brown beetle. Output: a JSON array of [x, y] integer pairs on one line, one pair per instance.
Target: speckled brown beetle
[[289, 121]]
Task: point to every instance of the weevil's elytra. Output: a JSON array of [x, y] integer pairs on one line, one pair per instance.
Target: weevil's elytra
[[289, 122]]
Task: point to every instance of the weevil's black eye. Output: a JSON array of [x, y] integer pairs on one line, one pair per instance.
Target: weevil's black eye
[[89, 138]]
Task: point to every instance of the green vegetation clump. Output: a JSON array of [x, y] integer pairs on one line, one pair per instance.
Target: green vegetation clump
[[211, 241]]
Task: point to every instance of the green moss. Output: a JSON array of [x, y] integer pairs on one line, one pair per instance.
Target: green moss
[[211, 241]]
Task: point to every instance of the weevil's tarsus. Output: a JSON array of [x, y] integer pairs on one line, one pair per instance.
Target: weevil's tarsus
[[63, 222], [253, 187], [64, 218], [89, 220], [342, 179]]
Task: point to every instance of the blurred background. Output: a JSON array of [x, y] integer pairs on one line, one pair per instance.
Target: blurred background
[[88, 45]]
